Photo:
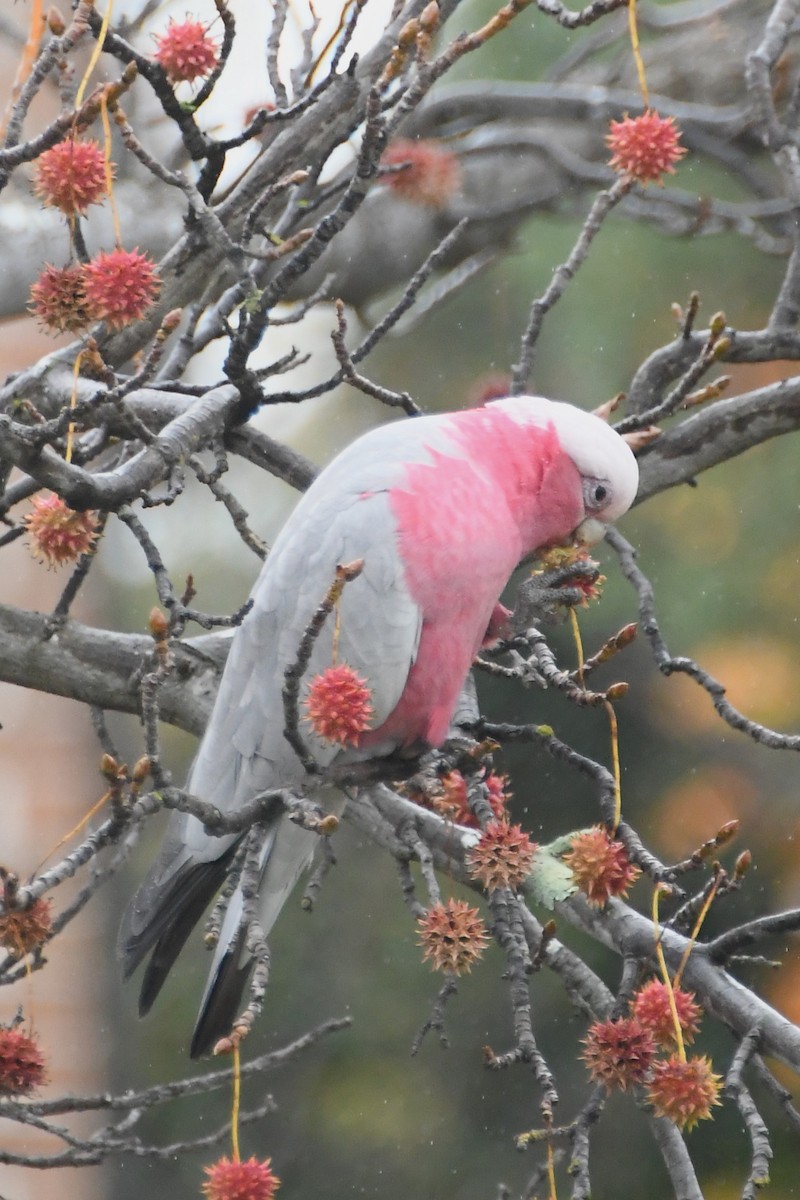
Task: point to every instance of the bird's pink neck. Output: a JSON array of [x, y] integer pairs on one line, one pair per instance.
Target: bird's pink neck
[[484, 497], [526, 466]]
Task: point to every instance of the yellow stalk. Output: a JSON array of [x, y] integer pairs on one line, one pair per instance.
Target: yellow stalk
[[108, 167], [85, 819], [237, 1087], [73, 400], [98, 50], [697, 927], [612, 720], [637, 53], [576, 633], [662, 962]]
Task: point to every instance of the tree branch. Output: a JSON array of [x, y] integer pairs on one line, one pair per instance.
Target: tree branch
[[101, 668]]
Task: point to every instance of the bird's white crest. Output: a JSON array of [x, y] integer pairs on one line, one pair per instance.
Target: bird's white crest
[[597, 450]]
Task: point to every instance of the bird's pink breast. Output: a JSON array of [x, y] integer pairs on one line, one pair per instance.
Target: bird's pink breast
[[483, 499]]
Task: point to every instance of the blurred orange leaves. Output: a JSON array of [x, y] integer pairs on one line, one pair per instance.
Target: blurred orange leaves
[[759, 673], [700, 804]]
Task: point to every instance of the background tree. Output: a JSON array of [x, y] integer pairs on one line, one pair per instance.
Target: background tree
[[174, 233]]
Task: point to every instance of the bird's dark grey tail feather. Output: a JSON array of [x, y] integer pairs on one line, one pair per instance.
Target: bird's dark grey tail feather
[[222, 1001], [173, 939], [163, 917]]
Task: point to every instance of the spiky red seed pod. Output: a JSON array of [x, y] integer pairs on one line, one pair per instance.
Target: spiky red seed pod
[[619, 1054], [453, 804], [684, 1090], [503, 857], [22, 929], [600, 865], [453, 936], [339, 705], [186, 51], [58, 534], [120, 286], [72, 175], [498, 793], [432, 176], [22, 1067], [592, 588], [58, 298], [651, 1006], [229, 1179], [645, 147]]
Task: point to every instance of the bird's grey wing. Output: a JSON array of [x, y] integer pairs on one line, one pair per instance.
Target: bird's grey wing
[[244, 750], [378, 634]]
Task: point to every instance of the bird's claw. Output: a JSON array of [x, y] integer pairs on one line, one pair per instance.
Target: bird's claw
[[545, 597]]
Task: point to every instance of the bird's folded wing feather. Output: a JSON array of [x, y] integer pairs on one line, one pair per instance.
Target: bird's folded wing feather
[[244, 750]]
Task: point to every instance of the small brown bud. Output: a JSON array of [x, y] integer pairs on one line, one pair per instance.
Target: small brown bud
[[604, 411], [626, 635], [93, 365], [328, 824], [727, 832], [481, 749], [172, 320], [676, 311], [189, 591], [158, 624], [718, 323], [722, 347], [141, 769], [408, 33], [109, 768], [617, 690], [743, 864], [429, 17], [711, 391], [351, 570], [55, 22], [641, 437]]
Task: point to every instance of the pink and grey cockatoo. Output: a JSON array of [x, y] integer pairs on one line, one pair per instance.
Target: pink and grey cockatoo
[[441, 509]]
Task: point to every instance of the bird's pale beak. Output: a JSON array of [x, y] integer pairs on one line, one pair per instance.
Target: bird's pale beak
[[590, 531]]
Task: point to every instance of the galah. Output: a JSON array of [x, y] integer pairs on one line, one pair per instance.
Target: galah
[[441, 509]]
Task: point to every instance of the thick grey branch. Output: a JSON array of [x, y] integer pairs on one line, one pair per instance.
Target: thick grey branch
[[718, 432], [618, 927], [629, 933], [108, 490], [668, 363], [101, 668]]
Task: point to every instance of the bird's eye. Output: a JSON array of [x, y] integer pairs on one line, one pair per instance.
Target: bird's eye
[[596, 494]]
